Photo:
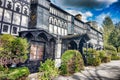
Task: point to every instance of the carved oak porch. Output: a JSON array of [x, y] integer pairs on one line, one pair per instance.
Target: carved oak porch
[[42, 47], [75, 42]]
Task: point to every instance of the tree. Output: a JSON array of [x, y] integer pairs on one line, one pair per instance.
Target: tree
[[108, 27], [117, 25], [13, 50], [114, 38]]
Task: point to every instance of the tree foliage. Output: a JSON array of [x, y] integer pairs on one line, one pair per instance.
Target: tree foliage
[[108, 27], [114, 38]]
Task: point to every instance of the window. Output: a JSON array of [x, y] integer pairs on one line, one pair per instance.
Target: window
[[16, 19], [24, 21], [2, 2], [0, 27], [5, 28], [17, 7], [14, 30], [36, 51], [9, 4], [7, 16], [59, 30], [63, 31], [51, 28], [1, 11], [25, 10], [55, 29]]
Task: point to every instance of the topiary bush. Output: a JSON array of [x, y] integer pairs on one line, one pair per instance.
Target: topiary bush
[[72, 62], [48, 71]]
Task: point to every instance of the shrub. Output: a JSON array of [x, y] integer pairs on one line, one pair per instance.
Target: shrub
[[15, 74], [12, 50], [106, 59], [48, 70], [2, 68], [93, 61], [115, 57], [109, 48], [103, 56], [93, 57], [71, 62]]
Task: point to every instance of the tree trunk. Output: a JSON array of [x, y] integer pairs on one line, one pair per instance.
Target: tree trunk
[[117, 49]]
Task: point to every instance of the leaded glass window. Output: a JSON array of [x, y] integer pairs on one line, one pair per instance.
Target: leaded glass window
[[55, 29], [24, 21], [5, 28], [1, 11], [59, 30], [16, 19], [2, 2], [7, 16], [25, 10], [9, 4], [14, 30], [63, 31], [17, 7], [51, 27]]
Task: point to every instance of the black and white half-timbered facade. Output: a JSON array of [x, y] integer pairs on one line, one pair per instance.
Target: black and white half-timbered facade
[[14, 16], [49, 29]]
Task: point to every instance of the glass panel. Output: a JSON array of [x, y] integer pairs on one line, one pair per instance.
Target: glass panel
[[33, 50], [55, 29], [1, 2], [15, 30], [9, 4], [59, 30], [0, 27], [17, 7], [24, 21], [1, 11], [5, 28], [36, 51], [25, 10], [62, 31], [65, 32], [51, 28], [40, 51], [7, 16], [16, 19], [28, 1]]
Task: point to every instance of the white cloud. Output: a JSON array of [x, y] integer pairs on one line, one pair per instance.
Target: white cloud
[[84, 15], [101, 17]]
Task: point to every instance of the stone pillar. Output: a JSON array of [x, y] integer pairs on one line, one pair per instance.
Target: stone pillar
[[58, 53]]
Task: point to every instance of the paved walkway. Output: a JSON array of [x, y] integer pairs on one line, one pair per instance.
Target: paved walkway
[[109, 71], [106, 71]]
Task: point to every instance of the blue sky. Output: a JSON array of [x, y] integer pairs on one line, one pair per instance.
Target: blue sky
[[94, 10]]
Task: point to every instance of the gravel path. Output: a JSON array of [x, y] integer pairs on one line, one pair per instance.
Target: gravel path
[[106, 71], [109, 71]]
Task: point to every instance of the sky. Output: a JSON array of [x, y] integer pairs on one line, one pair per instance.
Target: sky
[[92, 10]]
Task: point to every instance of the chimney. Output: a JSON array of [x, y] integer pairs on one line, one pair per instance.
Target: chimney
[[78, 16]]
